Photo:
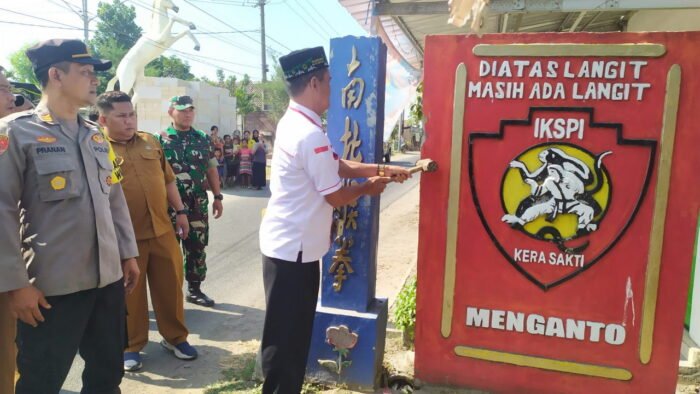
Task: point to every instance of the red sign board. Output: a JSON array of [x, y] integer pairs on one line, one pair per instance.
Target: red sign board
[[556, 239]]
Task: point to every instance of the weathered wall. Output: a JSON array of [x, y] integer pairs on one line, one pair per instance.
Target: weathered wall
[[213, 105]]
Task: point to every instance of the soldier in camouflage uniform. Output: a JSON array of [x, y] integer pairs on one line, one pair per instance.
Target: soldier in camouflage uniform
[[191, 155]]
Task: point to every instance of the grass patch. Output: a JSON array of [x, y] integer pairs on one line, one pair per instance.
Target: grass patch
[[238, 374], [238, 378]]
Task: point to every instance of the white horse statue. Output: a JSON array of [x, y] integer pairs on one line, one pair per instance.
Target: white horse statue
[[152, 44]]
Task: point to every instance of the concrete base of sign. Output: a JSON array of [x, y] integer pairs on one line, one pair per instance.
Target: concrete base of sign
[[362, 365]]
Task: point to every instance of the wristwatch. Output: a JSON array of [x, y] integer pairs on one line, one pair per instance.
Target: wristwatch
[[381, 169], [183, 211], [219, 197]]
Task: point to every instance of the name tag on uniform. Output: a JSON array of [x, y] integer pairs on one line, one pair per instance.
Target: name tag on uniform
[[47, 150]]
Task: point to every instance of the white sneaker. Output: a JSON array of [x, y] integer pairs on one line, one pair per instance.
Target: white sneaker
[[183, 351]]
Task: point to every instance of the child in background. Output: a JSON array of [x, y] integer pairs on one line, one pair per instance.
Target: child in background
[[246, 166], [220, 166], [215, 139]]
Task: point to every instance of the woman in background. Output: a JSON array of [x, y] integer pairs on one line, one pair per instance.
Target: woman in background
[[246, 167], [259, 163]]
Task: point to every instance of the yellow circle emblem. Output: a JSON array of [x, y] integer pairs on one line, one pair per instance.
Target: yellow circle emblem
[[58, 183], [556, 191], [98, 138]]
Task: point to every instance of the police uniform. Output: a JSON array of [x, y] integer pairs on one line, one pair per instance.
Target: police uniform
[[146, 172], [295, 232], [65, 181], [190, 154]]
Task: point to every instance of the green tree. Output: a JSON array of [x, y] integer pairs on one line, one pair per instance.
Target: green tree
[[245, 99], [241, 90], [116, 32], [169, 67], [21, 68], [116, 25], [276, 99], [416, 112]]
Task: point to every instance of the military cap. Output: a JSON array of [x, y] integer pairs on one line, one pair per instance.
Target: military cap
[[303, 61], [181, 102], [45, 54]]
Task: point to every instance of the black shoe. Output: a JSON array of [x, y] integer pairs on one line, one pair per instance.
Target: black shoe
[[198, 298]]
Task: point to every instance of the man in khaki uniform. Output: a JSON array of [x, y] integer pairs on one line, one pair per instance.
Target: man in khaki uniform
[[149, 184], [57, 167], [7, 322]]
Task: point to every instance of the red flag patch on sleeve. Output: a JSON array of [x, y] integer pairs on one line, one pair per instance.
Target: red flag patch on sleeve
[[321, 149]]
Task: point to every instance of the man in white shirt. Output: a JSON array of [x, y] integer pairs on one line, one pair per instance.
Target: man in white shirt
[[295, 232]]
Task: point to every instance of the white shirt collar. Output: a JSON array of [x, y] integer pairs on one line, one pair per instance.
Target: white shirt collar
[[306, 111]]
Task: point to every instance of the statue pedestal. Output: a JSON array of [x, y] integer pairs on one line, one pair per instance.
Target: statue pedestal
[[214, 106], [365, 357]]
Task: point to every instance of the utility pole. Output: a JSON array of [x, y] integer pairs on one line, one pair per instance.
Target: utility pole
[[261, 4], [86, 21], [83, 15]]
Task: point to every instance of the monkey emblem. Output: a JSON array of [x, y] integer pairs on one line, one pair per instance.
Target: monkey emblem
[[566, 195]]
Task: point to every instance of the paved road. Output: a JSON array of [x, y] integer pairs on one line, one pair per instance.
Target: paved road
[[234, 280]]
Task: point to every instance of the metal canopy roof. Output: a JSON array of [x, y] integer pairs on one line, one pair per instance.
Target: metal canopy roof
[[403, 24]]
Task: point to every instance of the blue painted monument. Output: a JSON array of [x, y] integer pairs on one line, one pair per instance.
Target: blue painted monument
[[350, 323]]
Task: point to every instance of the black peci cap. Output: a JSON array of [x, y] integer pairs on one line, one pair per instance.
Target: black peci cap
[[45, 54], [302, 62]]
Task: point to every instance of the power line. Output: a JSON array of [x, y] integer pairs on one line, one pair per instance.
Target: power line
[[221, 39], [225, 2], [311, 17], [140, 4], [36, 17], [188, 56], [305, 21], [220, 20], [227, 32], [227, 24], [192, 57], [213, 65], [324, 19], [46, 26], [278, 43], [214, 59]]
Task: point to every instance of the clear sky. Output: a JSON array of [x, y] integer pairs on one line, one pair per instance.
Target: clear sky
[[290, 25]]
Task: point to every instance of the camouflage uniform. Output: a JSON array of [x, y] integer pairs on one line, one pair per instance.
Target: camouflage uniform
[[190, 154]]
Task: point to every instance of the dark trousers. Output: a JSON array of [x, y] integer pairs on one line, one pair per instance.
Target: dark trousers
[[259, 176], [291, 292], [91, 322]]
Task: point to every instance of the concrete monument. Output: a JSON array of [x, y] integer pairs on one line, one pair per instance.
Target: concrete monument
[[152, 44]]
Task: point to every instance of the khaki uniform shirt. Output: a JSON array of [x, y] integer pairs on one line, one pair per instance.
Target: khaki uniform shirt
[[145, 172], [78, 216]]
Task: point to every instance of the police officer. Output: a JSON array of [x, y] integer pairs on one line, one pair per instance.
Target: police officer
[[57, 166], [295, 231], [191, 155], [7, 322], [149, 184]]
